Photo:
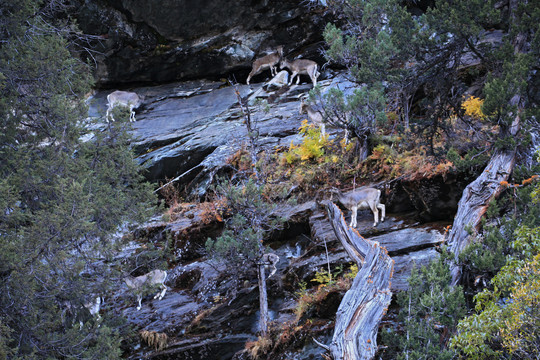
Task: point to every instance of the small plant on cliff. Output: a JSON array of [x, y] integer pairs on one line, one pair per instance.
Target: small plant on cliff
[[312, 146], [505, 322], [241, 243], [473, 107], [154, 339], [336, 282], [430, 310]]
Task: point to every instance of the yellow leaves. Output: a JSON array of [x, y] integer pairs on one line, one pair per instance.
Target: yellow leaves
[[473, 107], [380, 151], [322, 277], [346, 145], [304, 127], [312, 146], [521, 331], [353, 271]]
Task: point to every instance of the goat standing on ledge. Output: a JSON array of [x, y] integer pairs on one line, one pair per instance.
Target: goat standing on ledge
[[366, 198], [270, 260], [301, 67], [154, 277], [269, 61], [123, 98]]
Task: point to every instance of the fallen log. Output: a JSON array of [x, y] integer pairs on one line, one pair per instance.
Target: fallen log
[[366, 302]]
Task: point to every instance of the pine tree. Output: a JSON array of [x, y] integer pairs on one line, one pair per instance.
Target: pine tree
[[429, 310], [505, 323], [241, 244], [61, 197], [384, 45]]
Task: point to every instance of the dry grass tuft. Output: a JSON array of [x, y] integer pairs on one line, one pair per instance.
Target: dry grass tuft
[[258, 349], [154, 339]]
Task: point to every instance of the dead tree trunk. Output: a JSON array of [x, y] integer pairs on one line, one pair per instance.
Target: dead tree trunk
[[263, 300], [474, 202], [363, 306], [477, 195]]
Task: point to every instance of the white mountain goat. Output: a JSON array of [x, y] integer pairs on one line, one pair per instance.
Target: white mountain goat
[[301, 67], [270, 260], [154, 277], [366, 198], [123, 98], [93, 307], [74, 311], [270, 61]]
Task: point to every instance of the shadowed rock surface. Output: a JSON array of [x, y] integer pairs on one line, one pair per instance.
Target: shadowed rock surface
[[163, 41]]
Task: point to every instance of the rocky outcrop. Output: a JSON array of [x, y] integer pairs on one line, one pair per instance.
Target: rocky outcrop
[[162, 40], [189, 130], [409, 242], [201, 315]]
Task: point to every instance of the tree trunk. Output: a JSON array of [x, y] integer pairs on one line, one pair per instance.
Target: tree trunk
[[263, 300], [477, 195], [363, 306], [474, 202]]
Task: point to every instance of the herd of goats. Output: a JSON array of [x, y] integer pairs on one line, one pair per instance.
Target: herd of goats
[[298, 67], [364, 198]]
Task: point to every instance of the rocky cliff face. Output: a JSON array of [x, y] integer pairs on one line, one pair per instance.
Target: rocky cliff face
[[189, 129], [164, 40]]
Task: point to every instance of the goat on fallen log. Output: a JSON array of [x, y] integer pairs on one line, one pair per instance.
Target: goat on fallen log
[[365, 303]]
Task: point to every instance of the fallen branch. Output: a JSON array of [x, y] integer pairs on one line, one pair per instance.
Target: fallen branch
[[177, 178]]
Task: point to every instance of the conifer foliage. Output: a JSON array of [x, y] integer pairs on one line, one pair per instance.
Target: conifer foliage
[[423, 55], [61, 197], [430, 310]]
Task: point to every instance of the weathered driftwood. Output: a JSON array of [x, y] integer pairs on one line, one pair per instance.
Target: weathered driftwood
[[363, 306]]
